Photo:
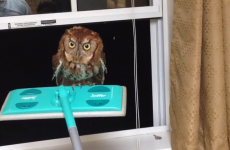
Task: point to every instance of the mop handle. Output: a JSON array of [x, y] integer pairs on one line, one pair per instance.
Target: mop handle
[[73, 132]]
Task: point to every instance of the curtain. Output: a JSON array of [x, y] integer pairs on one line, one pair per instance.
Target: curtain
[[200, 75]]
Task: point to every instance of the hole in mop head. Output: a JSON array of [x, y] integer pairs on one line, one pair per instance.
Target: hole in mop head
[[99, 89], [31, 92], [97, 103], [26, 105]]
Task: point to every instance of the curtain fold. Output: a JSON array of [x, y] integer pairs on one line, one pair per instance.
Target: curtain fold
[[200, 75]]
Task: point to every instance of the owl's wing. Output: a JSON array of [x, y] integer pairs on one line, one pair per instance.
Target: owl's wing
[[99, 78], [57, 67], [103, 63]]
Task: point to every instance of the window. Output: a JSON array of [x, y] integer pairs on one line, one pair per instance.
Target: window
[[28, 45]]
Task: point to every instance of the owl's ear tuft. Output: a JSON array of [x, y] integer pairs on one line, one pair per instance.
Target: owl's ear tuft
[[61, 48], [68, 31], [61, 43], [95, 33]]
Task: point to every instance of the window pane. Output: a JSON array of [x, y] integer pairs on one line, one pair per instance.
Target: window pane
[[108, 4], [29, 7], [26, 62]]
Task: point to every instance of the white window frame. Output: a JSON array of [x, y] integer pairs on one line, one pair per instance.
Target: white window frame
[[160, 14]]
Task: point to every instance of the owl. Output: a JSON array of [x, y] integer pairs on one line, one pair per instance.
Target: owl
[[80, 59]]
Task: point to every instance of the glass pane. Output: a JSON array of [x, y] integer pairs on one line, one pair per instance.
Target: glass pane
[[27, 63], [108, 4], [29, 7]]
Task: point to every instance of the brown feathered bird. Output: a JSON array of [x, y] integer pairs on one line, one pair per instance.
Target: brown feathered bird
[[80, 59]]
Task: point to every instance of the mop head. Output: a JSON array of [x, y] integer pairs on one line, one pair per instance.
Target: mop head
[[44, 102]]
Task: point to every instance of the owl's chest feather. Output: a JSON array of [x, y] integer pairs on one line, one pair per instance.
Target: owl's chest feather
[[77, 72]]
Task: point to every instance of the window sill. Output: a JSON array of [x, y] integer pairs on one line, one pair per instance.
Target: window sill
[[122, 140]]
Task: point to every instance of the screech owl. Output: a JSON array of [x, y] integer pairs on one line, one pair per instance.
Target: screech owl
[[80, 59]]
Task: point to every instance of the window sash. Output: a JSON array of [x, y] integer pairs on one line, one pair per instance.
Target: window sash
[[153, 12], [81, 17]]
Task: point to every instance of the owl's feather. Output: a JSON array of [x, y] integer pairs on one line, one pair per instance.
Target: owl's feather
[[77, 64], [57, 70]]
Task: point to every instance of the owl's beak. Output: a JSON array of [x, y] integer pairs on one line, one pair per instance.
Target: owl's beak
[[78, 53], [75, 53]]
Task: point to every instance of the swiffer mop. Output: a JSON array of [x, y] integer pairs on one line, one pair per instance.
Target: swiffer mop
[[64, 102]]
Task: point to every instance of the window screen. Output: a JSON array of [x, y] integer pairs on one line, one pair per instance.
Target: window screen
[[26, 61]]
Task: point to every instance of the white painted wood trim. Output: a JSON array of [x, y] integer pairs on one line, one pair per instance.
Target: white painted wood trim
[[155, 72], [158, 71], [121, 140], [167, 32], [73, 5]]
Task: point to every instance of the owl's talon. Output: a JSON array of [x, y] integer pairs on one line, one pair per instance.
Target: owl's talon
[[92, 84], [79, 84], [73, 86]]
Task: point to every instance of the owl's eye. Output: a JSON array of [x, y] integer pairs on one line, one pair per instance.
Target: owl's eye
[[71, 44], [86, 46]]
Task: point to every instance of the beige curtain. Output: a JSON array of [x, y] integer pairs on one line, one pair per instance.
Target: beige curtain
[[200, 75]]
